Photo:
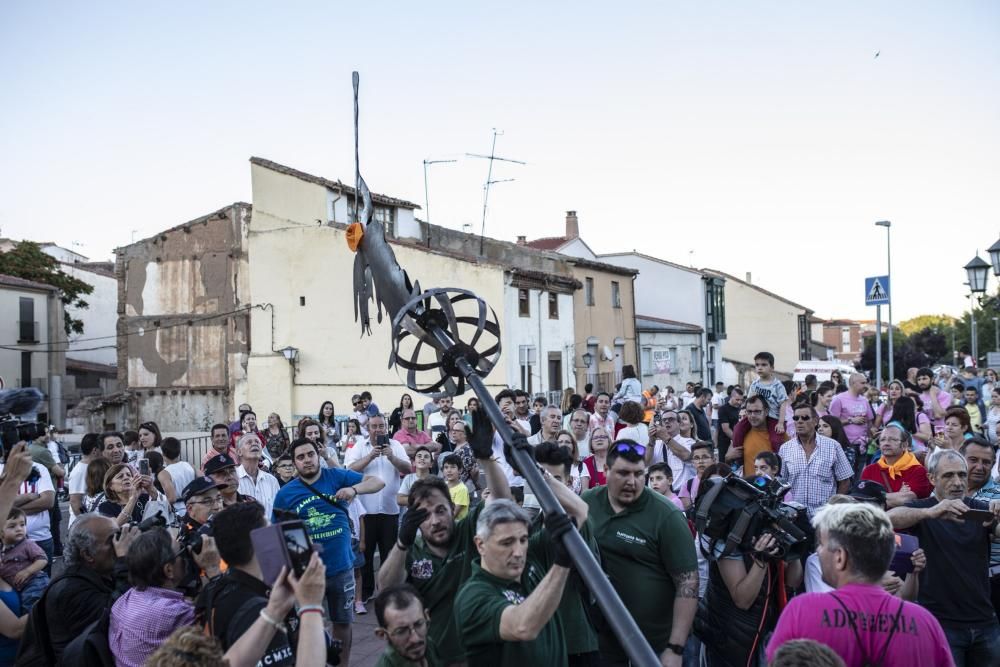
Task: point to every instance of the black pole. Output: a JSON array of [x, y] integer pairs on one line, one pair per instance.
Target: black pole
[[622, 624]]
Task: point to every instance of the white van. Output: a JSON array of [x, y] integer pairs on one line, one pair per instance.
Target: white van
[[822, 370]]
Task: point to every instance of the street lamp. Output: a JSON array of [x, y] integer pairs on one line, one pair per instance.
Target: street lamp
[[888, 261], [977, 271], [588, 359], [994, 251], [290, 353]]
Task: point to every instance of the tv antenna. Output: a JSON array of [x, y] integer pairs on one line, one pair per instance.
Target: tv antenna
[[492, 157], [427, 202]]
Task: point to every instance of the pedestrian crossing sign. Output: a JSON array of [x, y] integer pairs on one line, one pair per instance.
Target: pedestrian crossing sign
[[877, 291]]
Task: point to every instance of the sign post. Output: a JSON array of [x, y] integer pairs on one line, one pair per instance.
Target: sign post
[[877, 294]]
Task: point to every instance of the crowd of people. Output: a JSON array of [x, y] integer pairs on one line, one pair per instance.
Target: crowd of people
[[422, 514]]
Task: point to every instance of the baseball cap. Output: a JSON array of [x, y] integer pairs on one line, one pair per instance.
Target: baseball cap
[[219, 462], [199, 486], [869, 492]]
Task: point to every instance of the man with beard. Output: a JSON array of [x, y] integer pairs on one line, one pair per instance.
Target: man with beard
[[602, 414], [647, 552], [955, 585], [320, 497], [935, 400], [402, 623]]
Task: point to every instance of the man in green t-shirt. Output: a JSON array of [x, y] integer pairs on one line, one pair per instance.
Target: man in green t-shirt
[[402, 622], [508, 606], [648, 554]]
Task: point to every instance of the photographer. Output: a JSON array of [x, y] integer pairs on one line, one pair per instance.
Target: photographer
[[253, 623], [746, 591], [148, 613]]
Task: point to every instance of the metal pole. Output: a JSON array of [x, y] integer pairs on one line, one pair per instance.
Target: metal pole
[[996, 336], [888, 261], [427, 203], [972, 330], [878, 346]]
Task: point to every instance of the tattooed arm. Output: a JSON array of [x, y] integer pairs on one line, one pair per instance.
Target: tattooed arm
[[685, 606]]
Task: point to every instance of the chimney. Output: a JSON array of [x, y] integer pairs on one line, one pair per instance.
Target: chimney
[[749, 281], [522, 240], [572, 225]]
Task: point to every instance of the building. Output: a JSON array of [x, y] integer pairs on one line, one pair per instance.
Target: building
[[845, 337], [687, 300], [34, 354], [307, 348], [183, 324], [759, 320], [670, 352], [604, 310]]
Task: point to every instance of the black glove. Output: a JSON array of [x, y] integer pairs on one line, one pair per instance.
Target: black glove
[[519, 441], [481, 441], [557, 525], [409, 526]]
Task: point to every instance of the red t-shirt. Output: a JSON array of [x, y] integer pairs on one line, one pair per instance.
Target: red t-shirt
[[915, 477]]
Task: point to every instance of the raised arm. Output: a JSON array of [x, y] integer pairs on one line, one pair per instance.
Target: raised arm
[[522, 622]]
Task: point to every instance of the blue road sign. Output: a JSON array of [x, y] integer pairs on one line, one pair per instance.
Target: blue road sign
[[877, 291]]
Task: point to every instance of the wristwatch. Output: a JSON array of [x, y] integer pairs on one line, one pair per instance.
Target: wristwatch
[[676, 648]]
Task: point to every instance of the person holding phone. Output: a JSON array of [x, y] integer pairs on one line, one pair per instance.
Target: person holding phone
[[955, 586]]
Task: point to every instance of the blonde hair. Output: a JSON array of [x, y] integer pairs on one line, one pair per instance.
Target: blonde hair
[[863, 531]]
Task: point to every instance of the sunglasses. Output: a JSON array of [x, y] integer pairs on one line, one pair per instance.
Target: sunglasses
[[801, 418], [625, 447]]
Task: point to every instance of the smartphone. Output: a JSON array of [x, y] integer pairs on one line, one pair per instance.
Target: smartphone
[[143, 467], [284, 544], [905, 546], [978, 515], [382, 442]]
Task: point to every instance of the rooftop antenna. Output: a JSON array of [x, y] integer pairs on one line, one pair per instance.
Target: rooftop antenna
[[489, 181], [427, 202]]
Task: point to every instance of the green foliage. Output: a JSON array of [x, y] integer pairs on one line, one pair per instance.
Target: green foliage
[[935, 322], [28, 261]]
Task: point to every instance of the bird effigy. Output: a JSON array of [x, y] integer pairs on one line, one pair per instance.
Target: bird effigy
[[445, 340]]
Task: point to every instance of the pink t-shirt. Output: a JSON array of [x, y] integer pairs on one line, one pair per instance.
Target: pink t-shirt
[[844, 407], [944, 400], [917, 642]]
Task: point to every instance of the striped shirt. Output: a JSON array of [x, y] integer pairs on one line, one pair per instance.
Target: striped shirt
[[814, 479]]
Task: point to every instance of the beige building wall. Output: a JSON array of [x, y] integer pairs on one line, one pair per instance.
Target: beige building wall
[[603, 324], [758, 322], [301, 276]]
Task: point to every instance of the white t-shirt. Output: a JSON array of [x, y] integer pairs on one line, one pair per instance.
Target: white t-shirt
[[436, 423], [355, 510], [638, 433], [682, 471], [77, 483], [37, 523], [384, 501], [182, 474]]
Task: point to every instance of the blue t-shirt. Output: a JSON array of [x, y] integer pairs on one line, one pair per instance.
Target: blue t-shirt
[[328, 526]]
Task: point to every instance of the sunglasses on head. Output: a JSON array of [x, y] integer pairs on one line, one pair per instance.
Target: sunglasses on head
[[626, 446]]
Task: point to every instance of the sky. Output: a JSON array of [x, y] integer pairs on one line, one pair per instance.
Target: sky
[[761, 137]]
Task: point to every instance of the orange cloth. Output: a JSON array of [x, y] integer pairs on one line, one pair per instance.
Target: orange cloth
[[905, 462], [651, 405], [355, 232], [756, 441]]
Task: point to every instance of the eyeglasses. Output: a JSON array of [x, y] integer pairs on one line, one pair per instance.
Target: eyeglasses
[[626, 446], [667, 420], [355, 403], [217, 500], [755, 412], [407, 419], [403, 632], [801, 418]]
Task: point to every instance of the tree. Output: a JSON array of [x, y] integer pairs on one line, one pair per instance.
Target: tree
[[924, 348], [915, 324], [28, 261]]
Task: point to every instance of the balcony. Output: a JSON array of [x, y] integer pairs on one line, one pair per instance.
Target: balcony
[[27, 332]]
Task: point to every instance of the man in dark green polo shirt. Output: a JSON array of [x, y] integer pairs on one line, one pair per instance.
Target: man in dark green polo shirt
[[440, 562], [508, 606], [648, 554], [402, 622]]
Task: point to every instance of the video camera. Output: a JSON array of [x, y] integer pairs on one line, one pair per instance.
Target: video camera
[[737, 512], [193, 538], [13, 404], [147, 524]]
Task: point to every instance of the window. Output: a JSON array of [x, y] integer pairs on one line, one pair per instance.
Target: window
[[523, 303], [27, 328], [715, 308], [845, 339], [384, 214], [25, 369], [804, 338], [673, 360], [553, 306], [616, 294], [527, 357], [695, 359], [646, 361], [589, 290]]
